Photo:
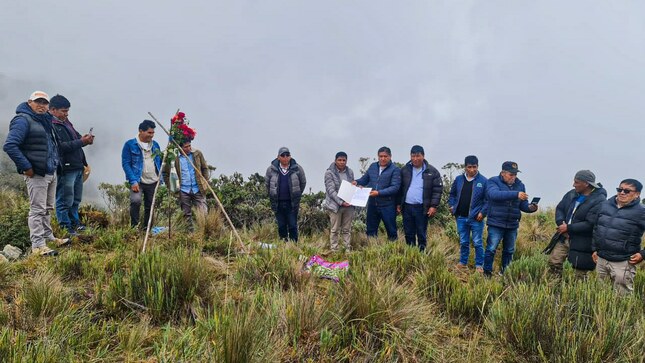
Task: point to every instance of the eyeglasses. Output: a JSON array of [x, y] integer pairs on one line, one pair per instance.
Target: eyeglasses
[[284, 155], [624, 191]]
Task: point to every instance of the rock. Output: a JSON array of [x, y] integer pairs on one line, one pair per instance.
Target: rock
[[3, 259], [11, 252]]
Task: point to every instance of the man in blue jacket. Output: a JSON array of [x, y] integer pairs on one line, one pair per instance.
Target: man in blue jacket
[[32, 147], [141, 162], [419, 196], [467, 202], [507, 199], [617, 236], [385, 180]]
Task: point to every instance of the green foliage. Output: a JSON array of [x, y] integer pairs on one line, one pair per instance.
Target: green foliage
[[164, 284], [117, 200], [582, 322], [14, 208], [246, 202], [44, 295]]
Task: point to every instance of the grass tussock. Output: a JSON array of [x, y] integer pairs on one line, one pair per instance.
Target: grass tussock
[[44, 295]]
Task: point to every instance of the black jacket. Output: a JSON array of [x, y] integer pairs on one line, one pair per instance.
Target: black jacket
[[70, 147], [432, 185], [580, 229], [618, 231]]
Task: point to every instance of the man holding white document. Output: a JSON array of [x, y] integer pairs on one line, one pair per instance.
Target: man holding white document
[[385, 180], [341, 212]]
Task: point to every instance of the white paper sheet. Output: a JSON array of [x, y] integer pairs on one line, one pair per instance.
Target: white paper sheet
[[354, 195]]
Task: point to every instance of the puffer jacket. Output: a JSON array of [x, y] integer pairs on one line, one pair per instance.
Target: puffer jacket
[[387, 184], [432, 185], [619, 231], [31, 143], [504, 207], [297, 183], [478, 200], [580, 229], [332, 183]]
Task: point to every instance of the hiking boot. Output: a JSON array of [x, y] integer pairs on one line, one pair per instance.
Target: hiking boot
[[80, 228], [44, 251], [479, 270], [60, 242]]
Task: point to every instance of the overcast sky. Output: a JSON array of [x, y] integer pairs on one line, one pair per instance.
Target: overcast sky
[[555, 86]]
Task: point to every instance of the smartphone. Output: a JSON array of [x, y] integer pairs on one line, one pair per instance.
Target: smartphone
[[535, 200], [91, 129]]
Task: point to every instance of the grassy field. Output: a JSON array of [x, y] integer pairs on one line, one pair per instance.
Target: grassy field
[[199, 298]]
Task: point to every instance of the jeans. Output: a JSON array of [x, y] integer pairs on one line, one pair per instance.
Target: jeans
[[69, 191], [415, 225], [467, 226], [374, 216], [495, 235], [148, 191], [287, 219]]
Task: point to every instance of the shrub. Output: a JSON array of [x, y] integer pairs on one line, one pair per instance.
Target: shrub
[[164, 284], [14, 230], [584, 322], [44, 295]]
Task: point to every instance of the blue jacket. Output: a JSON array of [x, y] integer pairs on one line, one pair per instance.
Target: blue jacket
[[504, 207], [478, 200], [31, 144], [387, 184], [132, 160], [619, 231]]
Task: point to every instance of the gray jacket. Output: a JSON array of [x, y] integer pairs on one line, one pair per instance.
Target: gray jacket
[[297, 182], [332, 183]]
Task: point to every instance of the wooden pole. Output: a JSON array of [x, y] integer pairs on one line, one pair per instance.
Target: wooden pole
[[199, 174]]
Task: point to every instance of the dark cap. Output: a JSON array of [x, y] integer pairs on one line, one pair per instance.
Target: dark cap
[[341, 154], [586, 176], [416, 149], [283, 150], [511, 167]]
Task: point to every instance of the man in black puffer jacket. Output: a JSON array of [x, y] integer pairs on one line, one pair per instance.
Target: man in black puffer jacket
[[617, 236], [575, 217]]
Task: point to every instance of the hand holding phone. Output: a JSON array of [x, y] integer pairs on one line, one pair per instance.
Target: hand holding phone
[[91, 130]]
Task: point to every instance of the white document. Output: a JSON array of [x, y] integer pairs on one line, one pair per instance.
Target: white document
[[354, 195]]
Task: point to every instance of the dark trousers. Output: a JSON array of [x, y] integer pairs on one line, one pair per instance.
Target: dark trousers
[[148, 191], [415, 225], [69, 191], [385, 213], [287, 219]]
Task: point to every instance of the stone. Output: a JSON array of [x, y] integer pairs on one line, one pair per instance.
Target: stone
[[11, 252]]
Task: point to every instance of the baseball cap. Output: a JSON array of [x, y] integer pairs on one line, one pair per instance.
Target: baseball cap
[[588, 177], [510, 166], [39, 94], [283, 150]]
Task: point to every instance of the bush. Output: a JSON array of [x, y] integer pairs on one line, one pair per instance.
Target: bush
[[165, 285], [583, 322], [14, 209]]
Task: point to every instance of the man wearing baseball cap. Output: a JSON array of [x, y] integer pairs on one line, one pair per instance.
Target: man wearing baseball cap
[[507, 199], [32, 147], [285, 182], [575, 218]]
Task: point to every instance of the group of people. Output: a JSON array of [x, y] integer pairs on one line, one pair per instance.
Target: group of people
[[592, 232]]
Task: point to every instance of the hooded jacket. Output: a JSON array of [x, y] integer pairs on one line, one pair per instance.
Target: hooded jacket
[[432, 185], [297, 183], [387, 184], [332, 183], [31, 143], [580, 230], [619, 231], [504, 207]]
